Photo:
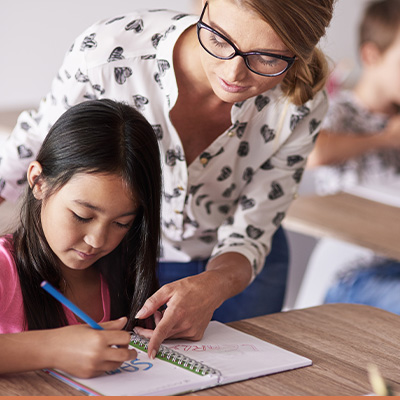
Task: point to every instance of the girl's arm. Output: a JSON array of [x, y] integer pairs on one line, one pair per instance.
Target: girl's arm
[[338, 147], [77, 349]]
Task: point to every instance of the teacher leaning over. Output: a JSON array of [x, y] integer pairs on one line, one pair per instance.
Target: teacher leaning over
[[236, 99]]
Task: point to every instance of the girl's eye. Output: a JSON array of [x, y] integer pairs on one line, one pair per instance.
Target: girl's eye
[[80, 219], [123, 226]]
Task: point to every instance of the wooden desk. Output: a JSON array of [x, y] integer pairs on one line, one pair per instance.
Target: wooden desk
[[341, 339], [349, 218]]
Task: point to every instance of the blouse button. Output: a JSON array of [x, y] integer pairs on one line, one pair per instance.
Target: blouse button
[[178, 212], [204, 160], [231, 133], [180, 188]]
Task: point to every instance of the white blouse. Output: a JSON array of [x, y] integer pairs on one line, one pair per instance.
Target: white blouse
[[234, 195]]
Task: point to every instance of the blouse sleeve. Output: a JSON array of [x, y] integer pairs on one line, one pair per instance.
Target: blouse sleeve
[[264, 202], [71, 86]]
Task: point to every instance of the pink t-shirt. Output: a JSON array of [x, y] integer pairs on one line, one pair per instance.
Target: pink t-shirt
[[12, 315]]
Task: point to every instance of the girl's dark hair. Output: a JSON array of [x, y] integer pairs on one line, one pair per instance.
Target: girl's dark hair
[[98, 136], [380, 23]]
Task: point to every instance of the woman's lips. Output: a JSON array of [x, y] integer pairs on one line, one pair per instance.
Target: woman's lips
[[231, 88]]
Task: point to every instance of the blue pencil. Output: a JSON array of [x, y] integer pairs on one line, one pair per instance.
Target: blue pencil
[[63, 300]]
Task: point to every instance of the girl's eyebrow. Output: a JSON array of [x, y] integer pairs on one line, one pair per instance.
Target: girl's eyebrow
[[101, 210]]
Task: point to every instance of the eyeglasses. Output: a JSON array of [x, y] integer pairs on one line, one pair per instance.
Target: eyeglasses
[[219, 46]]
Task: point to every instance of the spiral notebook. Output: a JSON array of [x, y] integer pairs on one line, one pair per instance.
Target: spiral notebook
[[224, 355]]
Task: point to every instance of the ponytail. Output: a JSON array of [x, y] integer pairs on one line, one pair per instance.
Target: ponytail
[[305, 79]]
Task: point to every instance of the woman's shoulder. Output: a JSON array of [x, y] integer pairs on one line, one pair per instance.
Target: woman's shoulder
[[133, 34]]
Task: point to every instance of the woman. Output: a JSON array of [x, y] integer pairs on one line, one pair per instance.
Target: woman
[[236, 100]]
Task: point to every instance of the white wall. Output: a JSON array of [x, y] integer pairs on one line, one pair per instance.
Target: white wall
[[35, 34]]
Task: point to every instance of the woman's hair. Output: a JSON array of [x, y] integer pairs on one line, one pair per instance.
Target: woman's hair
[[380, 23], [300, 24], [98, 136]]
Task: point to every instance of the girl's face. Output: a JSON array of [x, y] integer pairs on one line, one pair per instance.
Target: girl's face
[[87, 218], [231, 80], [387, 72]]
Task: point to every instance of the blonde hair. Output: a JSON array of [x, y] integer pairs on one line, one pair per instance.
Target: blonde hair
[[300, 24]]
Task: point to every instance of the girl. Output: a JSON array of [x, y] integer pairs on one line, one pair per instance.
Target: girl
[[236, 97], [90, 226]]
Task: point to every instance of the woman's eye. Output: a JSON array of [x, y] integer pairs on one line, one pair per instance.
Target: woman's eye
[[80, 219]]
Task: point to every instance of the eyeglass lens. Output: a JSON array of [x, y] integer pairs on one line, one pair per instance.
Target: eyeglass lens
[[217, 46]]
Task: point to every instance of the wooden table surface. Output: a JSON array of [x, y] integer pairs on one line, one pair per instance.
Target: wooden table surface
[[341, 339], [349, 218]]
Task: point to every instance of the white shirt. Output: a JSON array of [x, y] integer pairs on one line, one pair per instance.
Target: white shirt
[[234, 195]]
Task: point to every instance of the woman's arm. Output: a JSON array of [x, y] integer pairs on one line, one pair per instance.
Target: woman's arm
[[77, 349]]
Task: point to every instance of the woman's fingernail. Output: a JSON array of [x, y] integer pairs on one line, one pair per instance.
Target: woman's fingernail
[[140, 313], [153, 354]]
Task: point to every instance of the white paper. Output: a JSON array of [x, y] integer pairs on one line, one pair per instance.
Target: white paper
[[236, 355]]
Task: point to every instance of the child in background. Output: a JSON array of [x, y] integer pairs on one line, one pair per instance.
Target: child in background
[[360, 142], [90, 225]]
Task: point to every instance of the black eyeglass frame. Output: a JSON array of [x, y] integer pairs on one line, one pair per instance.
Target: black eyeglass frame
[[200, 24]]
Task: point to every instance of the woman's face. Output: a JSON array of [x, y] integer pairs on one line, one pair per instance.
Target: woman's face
[[231, 80], [87, 218]]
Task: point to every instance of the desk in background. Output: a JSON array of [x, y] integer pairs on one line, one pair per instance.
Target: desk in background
[[349, 218], [341, 339]]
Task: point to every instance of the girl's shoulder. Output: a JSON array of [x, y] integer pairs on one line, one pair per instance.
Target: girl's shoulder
[[7, 262]]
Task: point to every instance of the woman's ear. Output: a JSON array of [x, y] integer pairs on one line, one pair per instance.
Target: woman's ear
[[35, 181]]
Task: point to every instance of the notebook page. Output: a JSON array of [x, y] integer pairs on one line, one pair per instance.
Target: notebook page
[[145, 377], [237, 355]]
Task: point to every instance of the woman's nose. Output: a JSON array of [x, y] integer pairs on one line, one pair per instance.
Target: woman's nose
[[235, 69]]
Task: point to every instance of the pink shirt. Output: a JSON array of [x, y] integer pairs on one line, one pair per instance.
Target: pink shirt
[[12, 315]]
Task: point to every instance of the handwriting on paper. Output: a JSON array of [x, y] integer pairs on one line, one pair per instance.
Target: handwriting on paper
[[216, 348], [131, 366]]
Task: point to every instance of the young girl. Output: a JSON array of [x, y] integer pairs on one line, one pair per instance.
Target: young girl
[[90, 225]]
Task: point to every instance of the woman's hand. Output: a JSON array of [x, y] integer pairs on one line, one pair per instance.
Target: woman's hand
[[86, 352], [190, 306], [192, 301]]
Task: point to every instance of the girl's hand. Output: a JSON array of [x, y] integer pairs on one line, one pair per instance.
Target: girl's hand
[[391, 133], [86, 352]]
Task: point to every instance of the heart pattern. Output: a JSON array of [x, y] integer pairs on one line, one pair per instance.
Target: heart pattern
[[116, 54], [261, 101], [24, 152], [121, 74], [136, 26], [276, 191]]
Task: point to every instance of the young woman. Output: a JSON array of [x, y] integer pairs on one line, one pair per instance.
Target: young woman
[[90, 226], [236, 100]]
